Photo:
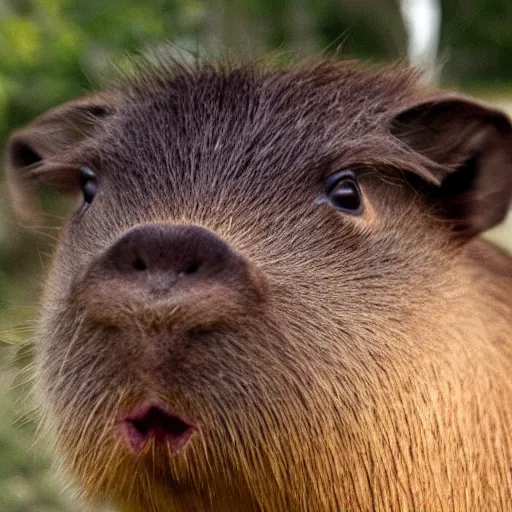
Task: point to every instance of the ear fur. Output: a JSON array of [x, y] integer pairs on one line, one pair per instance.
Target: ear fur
[[471, 145], [33, 154]]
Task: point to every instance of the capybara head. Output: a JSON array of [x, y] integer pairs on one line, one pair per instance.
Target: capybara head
[[263, 299]]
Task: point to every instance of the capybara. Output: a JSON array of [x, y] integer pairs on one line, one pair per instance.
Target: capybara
[[272, 294]]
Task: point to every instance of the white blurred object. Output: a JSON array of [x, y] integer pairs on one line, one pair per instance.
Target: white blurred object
[[502, 234], [422, 20]]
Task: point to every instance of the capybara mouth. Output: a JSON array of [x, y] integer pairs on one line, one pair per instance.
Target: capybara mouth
[[158, 424]]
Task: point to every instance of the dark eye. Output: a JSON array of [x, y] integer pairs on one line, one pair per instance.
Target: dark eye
[[343, 192], [88, 184]]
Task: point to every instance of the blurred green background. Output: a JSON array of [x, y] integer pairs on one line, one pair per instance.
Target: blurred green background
[[55, 50]]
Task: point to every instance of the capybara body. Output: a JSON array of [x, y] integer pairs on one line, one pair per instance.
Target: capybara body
[[272, 295]]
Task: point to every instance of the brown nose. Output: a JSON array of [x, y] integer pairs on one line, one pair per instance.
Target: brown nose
[[170, 274], [171, 253]]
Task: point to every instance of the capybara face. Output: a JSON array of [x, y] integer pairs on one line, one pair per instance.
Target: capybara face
[[257, 303]]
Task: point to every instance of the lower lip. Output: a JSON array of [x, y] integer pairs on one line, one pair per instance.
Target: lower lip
[[170, 430]]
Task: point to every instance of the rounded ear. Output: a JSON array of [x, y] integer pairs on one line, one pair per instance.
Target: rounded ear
[[35, 154], [471, 147]]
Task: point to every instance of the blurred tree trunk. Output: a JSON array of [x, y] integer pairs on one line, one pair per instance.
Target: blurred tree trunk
[[422, 20]]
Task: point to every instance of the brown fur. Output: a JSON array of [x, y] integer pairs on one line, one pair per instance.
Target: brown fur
[[370, 369]]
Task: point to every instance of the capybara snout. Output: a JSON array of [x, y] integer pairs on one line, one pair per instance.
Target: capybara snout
[[172, 251], [170, 275]]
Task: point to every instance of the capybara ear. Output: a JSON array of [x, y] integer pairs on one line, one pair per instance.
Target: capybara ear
[[471, 147], [40, 153]]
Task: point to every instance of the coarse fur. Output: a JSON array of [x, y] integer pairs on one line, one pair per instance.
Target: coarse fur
[[372, 367]]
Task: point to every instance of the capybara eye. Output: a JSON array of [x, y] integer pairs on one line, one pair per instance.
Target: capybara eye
[[343, 192], [88, 184]]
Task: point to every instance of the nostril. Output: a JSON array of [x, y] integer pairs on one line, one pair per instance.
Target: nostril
[[166, 252], [139, 264], [192, 269]]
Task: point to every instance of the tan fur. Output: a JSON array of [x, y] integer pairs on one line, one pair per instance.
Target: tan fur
[[361, 363]]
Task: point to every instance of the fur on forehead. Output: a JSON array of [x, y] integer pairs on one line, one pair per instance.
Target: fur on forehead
[[337, 107], [387, 85], [366, 94]]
